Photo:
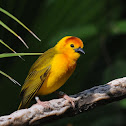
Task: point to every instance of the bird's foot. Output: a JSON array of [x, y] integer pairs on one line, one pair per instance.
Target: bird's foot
[[69, 99], [45, 104]]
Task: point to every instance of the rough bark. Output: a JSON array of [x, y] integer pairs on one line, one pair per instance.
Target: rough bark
[[60, 108]]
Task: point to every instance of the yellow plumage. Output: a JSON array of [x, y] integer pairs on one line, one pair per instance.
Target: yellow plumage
[[52, 69]]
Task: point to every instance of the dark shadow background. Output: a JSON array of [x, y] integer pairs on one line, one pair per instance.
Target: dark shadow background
[[100, 24]]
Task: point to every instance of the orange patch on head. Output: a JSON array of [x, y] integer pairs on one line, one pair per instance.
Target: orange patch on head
[[75, 40]]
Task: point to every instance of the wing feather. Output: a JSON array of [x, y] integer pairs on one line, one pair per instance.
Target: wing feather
[[36, 77], [28, 92]]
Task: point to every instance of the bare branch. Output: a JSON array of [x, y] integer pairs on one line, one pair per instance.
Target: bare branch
[[59, 108]]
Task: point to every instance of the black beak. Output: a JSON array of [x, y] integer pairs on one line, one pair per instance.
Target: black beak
[[80, 50]]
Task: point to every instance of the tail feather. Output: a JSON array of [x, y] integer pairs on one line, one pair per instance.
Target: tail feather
[[22, 106]]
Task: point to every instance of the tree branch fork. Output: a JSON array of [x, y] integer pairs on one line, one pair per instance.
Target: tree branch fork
[[86, 100]]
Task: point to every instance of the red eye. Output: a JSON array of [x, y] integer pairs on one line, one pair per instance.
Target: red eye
[[72, 45]]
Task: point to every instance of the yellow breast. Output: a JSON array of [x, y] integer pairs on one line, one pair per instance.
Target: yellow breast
[[61, 70]]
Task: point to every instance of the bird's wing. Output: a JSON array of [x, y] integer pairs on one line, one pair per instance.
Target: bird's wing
[[32, 85], [44, 60], [36, 77]]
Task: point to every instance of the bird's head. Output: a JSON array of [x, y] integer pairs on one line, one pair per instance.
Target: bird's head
[[71, 46]]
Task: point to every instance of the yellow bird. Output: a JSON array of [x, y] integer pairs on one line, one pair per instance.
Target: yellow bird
[[52, 69]]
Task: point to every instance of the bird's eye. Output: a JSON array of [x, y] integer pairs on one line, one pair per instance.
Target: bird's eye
[[72, 45]]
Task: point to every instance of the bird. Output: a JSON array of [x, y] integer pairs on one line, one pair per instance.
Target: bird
[[51, 70]]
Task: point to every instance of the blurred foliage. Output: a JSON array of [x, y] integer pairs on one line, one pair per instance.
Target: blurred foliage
[[102, 27]]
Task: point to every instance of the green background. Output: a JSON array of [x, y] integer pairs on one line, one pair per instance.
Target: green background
[[100, 24]]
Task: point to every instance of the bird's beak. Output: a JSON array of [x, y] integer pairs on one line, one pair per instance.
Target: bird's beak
[[80, 50]]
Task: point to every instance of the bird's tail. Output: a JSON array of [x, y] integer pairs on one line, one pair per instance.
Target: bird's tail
[[20, 106]]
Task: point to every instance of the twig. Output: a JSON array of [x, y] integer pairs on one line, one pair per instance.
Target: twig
[[59, 108]]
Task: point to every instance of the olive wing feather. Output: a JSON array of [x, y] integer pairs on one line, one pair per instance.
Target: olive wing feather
[[30, 91], [36, 77]]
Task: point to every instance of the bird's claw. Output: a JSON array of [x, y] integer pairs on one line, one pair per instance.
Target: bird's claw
[[45, 104], [65, 96], [69, 100]]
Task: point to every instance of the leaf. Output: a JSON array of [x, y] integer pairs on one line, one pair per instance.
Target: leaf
[[3, 55], [14, 18], [7, 46], [5, 26], [9, 78], [14, 54]]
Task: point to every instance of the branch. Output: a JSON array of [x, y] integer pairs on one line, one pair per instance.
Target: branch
[[59, 108]]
